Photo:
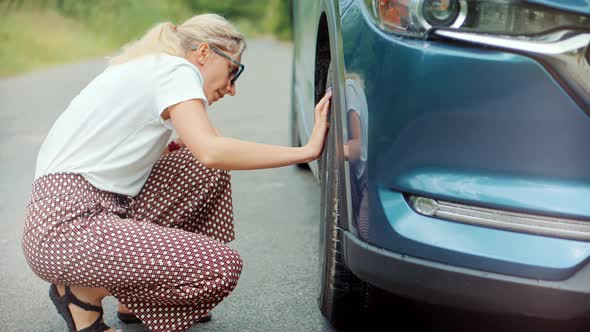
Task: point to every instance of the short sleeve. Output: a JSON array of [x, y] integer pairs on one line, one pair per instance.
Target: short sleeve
[[352, 97], [182, 82]]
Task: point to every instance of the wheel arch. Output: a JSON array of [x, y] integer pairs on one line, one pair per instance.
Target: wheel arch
[[329, 52], [329, 48]]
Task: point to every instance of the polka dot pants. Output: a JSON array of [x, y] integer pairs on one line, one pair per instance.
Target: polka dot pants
[[160, 253]]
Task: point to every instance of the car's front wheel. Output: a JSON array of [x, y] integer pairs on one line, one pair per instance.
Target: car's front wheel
[[343, 298]]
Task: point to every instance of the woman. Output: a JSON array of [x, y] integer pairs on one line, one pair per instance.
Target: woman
[[111, 214]]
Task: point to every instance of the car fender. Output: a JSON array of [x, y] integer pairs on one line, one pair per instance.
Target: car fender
[[332, 12]]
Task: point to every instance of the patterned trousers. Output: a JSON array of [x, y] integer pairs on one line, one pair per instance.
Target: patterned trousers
[[161, 253]]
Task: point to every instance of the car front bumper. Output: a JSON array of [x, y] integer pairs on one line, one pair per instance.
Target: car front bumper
[[465, 288]]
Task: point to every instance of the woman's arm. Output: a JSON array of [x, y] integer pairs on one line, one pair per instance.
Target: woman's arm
[[196, 132], [180, 143], [352, 149]]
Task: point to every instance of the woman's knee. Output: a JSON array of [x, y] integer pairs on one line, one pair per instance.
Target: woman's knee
[[229, 267]]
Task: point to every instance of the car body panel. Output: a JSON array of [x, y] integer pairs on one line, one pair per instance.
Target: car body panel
[[478, 247], [304, 39], [470, 289], [491, 134], [568, 198], [580, 6], [451, 121]]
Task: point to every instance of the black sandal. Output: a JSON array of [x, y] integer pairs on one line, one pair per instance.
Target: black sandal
[[62, 302], [129, 318]]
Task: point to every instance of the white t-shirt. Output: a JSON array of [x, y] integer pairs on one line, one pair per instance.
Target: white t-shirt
[[357, 102], [112, 133]]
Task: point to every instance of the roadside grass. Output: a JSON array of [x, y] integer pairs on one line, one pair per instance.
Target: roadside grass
[[39, 33], [35, 39]]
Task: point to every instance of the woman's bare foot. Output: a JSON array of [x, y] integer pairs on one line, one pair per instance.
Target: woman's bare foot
[[84, 318]]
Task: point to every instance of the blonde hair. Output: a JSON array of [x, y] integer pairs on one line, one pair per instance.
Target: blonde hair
[[170, 39]]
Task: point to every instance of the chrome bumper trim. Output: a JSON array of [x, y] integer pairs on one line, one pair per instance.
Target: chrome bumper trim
[[513, 221], [553, 44]]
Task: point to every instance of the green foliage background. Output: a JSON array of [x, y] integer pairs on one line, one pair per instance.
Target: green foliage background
[[105, 25]]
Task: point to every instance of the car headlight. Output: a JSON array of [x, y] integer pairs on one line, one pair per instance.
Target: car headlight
[[505, 17], [558, 38]]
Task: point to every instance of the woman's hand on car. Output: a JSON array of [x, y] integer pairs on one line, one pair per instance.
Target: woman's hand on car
[[320, 127]]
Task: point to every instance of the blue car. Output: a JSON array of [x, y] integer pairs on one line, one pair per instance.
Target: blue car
[[457, 165]]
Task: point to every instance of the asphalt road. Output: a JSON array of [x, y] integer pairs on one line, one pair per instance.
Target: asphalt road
[[276, 214]]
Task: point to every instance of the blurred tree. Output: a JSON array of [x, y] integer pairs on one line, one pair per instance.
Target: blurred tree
[[82, 28], [230, 9], [130, 17], [278, 18]]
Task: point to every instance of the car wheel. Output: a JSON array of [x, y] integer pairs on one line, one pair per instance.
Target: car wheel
[[343, 298]]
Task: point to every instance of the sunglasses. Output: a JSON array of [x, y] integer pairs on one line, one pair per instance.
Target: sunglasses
[[236, 72]]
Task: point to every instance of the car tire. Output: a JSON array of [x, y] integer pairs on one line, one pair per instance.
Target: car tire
[[343, 298]]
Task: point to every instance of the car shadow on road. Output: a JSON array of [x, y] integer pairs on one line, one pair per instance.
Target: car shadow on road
[[393, 313]]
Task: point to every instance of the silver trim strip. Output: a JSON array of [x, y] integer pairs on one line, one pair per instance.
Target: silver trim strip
[[462, 15], [575, 71], [563, 44], [513, 221]]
